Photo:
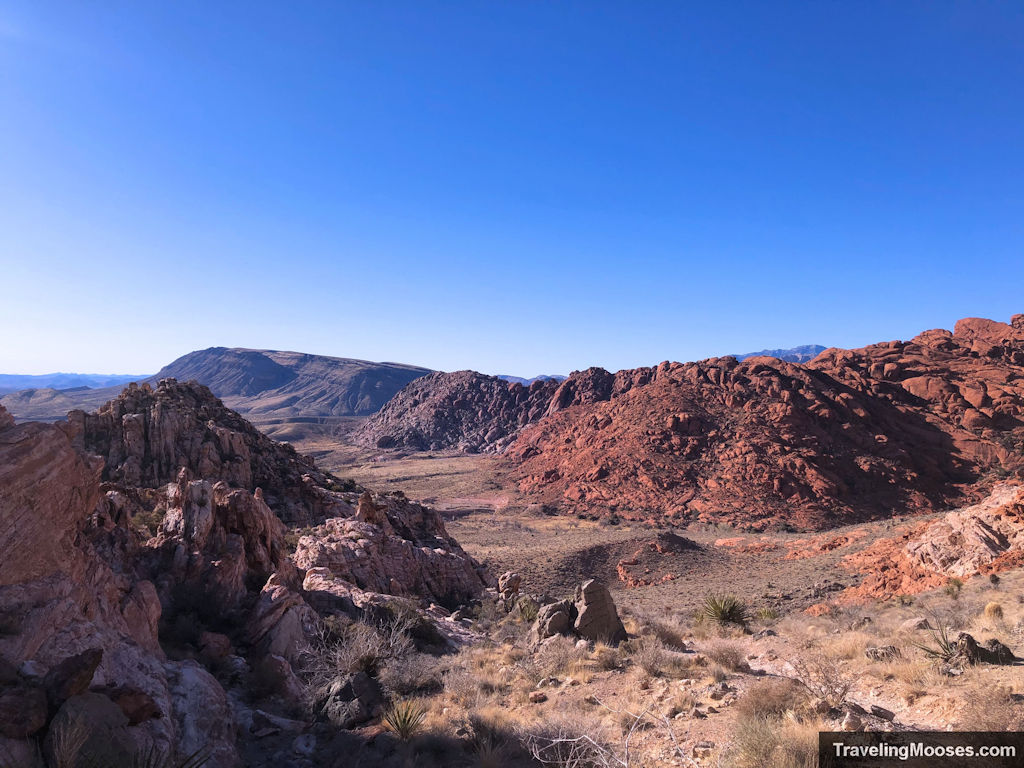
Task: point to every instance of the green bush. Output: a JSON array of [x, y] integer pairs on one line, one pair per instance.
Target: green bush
[[724, 609], [405, 719]]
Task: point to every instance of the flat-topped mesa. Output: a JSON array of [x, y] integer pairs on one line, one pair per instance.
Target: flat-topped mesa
[[146, 435]]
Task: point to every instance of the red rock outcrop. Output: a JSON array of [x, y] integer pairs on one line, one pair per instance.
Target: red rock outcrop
[[405, 552], [983, 538], [852, 435], [67, 586], [147, 435], [77, 581]]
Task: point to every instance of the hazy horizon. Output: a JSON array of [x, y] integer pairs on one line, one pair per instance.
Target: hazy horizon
[[515, 188]]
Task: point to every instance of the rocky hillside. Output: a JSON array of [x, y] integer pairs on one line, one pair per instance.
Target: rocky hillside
[[198, 638], [854, 434], [146, 435], [279, 391], [464, 410]]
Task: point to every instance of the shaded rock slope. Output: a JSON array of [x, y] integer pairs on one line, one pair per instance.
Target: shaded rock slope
[[464, 410]]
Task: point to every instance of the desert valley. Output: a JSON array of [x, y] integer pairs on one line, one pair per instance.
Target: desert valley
[[269, 558], [466, 384]]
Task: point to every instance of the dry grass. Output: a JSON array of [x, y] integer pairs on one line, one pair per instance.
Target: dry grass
[[727, 654], [994, 611], [606, 657], [771, 698], [768, 743], [849, 645], [990, 708]]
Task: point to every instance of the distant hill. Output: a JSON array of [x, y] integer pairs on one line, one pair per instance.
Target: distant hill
[[528, 382], [801, 354], [281, 392]]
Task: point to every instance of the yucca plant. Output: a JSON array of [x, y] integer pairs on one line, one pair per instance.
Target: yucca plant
[[944, 649], [405, 719], [724, 609], [527, 608]]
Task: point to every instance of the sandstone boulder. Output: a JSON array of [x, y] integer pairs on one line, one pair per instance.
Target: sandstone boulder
[[201, 714], [596, 616], [71, 677], [417, 558], [553, 619]]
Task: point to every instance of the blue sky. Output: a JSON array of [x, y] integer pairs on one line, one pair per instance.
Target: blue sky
[[516, 187]]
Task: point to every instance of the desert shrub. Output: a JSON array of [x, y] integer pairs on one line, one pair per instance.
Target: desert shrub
[[651, 655], [568, 743], [147, 523], [365, 648], [771, 698], [993, 579], [823, 677], [763, 743], [462, 686], [726, 654], [405, 719], [994, 611], [412, 673], [527, 609], [669, 633], [724, 609], [718, 674], [767, 614], [556, 655], [942, 649], [991, 708], [953, 587]]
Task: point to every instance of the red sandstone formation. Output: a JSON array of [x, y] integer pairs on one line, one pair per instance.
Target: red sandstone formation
[[984, 538], [852, 435]]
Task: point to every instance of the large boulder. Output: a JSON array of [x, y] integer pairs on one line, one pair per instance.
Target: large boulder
[[596, 617], [407, 553], [201, 714], [553, 619], [351, 700]]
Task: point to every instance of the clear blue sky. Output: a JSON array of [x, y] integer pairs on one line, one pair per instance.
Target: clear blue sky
[[516, 187]]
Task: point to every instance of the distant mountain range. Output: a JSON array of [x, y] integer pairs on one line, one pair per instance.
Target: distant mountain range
[[286, 394], [528, 382], [14, 382], [801, 354], [275, 390]]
